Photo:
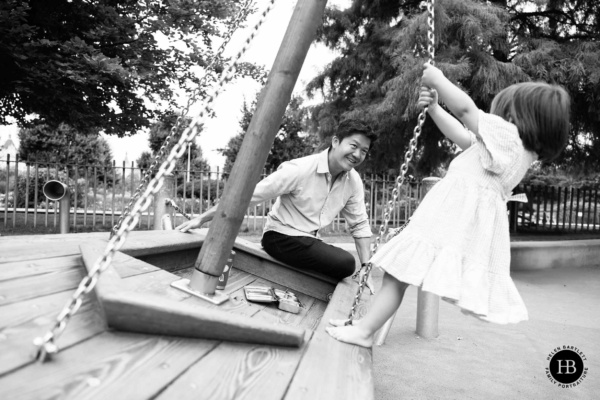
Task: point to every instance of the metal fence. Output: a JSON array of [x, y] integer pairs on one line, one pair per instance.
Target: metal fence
[[100, 193], [556, 209]]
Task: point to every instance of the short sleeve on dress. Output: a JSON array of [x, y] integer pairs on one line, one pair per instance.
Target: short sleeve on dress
[[499, 141]]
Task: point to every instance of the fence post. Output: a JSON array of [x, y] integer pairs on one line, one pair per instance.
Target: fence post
[[160, 207], [7, 189], [428, 304]]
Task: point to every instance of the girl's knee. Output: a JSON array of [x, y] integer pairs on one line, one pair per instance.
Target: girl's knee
[[390, 279]]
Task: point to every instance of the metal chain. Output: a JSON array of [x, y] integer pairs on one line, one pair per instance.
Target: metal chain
[[47, 343], [241, 16], [172, 203], [403, 169]]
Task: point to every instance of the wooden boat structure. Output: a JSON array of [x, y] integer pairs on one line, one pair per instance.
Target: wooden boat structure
[[134, 338], [137, 337]]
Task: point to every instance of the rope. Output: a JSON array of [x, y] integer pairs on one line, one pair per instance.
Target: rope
[[403, 169]]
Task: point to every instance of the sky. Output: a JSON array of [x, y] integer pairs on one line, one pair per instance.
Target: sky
[[228, 104]]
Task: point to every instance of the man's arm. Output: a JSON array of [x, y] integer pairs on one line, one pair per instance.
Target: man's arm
[[279, 182], [363, 247]]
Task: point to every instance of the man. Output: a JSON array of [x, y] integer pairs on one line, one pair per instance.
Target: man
[[310, 192]]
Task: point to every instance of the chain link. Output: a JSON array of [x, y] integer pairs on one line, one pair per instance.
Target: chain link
[[241, 16], [46, 344], [412, 146]]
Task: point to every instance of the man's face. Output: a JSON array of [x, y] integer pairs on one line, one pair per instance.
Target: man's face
[[348, 153]]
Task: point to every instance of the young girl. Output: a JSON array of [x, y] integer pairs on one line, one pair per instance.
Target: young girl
[[457, 243]]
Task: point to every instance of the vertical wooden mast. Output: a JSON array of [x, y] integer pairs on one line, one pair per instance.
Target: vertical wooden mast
[[307, 17]]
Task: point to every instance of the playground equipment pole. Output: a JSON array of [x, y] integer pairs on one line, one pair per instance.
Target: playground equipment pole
[[58, 191], [307, 17]]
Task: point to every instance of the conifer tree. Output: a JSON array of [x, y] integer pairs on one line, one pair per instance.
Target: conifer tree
[[481, 46]]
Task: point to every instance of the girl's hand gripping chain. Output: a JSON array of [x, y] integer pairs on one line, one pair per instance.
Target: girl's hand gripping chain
[[428, 98], [432, 76]]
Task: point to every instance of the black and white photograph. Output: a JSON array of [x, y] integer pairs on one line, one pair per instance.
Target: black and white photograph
[[299, 199]]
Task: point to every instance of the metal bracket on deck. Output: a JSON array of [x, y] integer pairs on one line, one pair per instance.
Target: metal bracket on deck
[[217, 298]]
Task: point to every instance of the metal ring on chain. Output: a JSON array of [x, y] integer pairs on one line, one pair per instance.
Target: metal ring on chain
[[47, 343], [412, 146]]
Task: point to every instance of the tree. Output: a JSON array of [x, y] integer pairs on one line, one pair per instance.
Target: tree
[[158, 133], [69, 150], [63, 146], [91, 64], [292, 140], [480, 46]]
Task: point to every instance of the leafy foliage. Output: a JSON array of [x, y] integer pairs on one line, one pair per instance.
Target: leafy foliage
[[158, 133], [291, 141], [63, 145], [66, 147], [481, 46], [90, 64]]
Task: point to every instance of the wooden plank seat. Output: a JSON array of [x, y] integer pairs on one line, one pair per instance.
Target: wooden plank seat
[[171, 250], [97, 362]]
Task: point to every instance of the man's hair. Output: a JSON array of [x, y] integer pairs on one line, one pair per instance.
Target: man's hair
[[541, 113], [349, 127]]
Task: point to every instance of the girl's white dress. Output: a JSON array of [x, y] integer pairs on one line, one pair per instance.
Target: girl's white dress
[[457, 243]]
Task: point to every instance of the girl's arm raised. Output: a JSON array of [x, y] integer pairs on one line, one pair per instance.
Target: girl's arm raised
[[450, 126], [457, 101]]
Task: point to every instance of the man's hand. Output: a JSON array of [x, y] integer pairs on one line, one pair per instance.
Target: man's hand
[[370, 283], [191, 224]]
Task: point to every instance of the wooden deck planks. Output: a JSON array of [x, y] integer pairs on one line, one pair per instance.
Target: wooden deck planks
[[237, 371], [56, 279], [21, 322], [113, 365], [331, 369], [253, 371]]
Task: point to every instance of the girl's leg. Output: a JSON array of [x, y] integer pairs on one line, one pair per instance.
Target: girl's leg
[[384, 305]]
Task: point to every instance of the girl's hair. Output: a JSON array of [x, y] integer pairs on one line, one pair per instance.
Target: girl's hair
[[541, 113]]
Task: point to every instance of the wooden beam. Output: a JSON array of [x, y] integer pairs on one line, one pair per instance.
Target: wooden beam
[[128, 310], [307, 17]]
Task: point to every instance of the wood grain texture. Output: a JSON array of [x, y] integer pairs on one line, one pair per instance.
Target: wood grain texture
[[56, 278], [22, 269], [21, 322], [239, 372], [37, 247], [113, 365], [332, 369]]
